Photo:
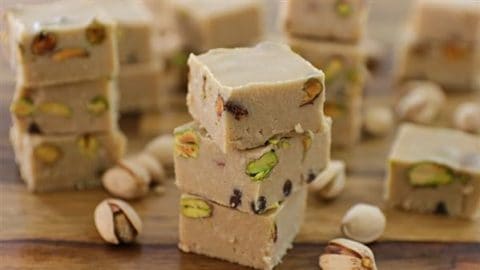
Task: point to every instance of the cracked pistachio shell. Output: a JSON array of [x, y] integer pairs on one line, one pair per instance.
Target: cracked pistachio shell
[[117, 222], [363, 223], [128, 180]]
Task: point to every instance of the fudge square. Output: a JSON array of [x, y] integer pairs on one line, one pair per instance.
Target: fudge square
[[61, 41], [245, 96], [454, 64], [82, 107], [444, 20], [258, 241], [435, 170], [134, 27], [65, 162], [342, 20], [347, 120], [253, 180], [208, 24]]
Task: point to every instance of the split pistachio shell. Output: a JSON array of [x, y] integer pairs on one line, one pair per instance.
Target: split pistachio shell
[[162, 149], [467, 117], [127, 181], [155, 169], [378, 121], [344, 254], [117, 222], [330, 183], [364, 223]]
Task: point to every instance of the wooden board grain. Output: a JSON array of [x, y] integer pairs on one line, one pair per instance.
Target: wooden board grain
[[56, 231]]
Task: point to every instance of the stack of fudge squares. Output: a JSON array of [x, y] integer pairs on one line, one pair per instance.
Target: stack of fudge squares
[[442, 44], [259, 137], [330, 34], [64, 109]]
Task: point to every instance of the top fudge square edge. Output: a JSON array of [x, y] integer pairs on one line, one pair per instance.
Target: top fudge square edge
[[245, 96], [61, 42]]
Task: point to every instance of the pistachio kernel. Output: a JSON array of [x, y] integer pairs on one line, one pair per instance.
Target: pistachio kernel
[[55, 109], [23, 107], [219, 106], [195, 208], [65, 54], [123, 228], [343, 8], [97, 105], [180, 59], [260, 168], [334, 110], [236, 109], [428, 174], [88, 145], [279, 142], [333, 69], [307, 142], [312, 90], [187, 143], [95, 33], [43, 43], [47, 153]]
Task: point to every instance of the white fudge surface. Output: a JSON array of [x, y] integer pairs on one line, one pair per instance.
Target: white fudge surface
[[57, 16], [127, 11], [208, 8], [455, 149], [240, 67]]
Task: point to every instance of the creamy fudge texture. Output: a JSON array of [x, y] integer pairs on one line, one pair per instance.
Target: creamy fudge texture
[[252, 180], [435, 170], [62, 41], [455, 64], [208, 24], [447, 20], [342, 20], [64, 162], [258, 241], [139, 87], [245, 96], [134, 28], [81, 107]]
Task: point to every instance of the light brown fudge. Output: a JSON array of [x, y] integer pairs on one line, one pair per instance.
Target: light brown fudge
[[134, 28], [252, 180], [258, 241], [245, 96], [435, 170], [454, 64], [342, 20], [345, 72], [59, 42], [139, 87], [444, 20], [65, 162], [81, 107], [208, 24]]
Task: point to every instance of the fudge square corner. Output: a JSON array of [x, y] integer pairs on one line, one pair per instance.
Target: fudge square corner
[[245, 96]]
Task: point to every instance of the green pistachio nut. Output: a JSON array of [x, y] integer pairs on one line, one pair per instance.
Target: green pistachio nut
[[261, 168], [97, 105], [55, 109], [187, 143], [22, 107], [193, 207], [428, 174]]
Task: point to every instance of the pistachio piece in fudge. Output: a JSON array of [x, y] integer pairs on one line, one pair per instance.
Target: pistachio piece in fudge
[[273, 230], [434, 170], [60, 42], [245, 96], [253, 180]]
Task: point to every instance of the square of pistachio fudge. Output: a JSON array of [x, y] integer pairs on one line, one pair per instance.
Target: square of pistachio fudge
[[208, 24], [454, 63], [253, 180], [245, 96], [345, 72], [81, 107], [134, 30], [61, 41], [444, 20], [139, 87], [258, 241], [435, 170], [65, 162], [343, 20]]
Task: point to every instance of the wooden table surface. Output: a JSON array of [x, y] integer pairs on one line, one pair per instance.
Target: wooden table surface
[[56, 231]]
